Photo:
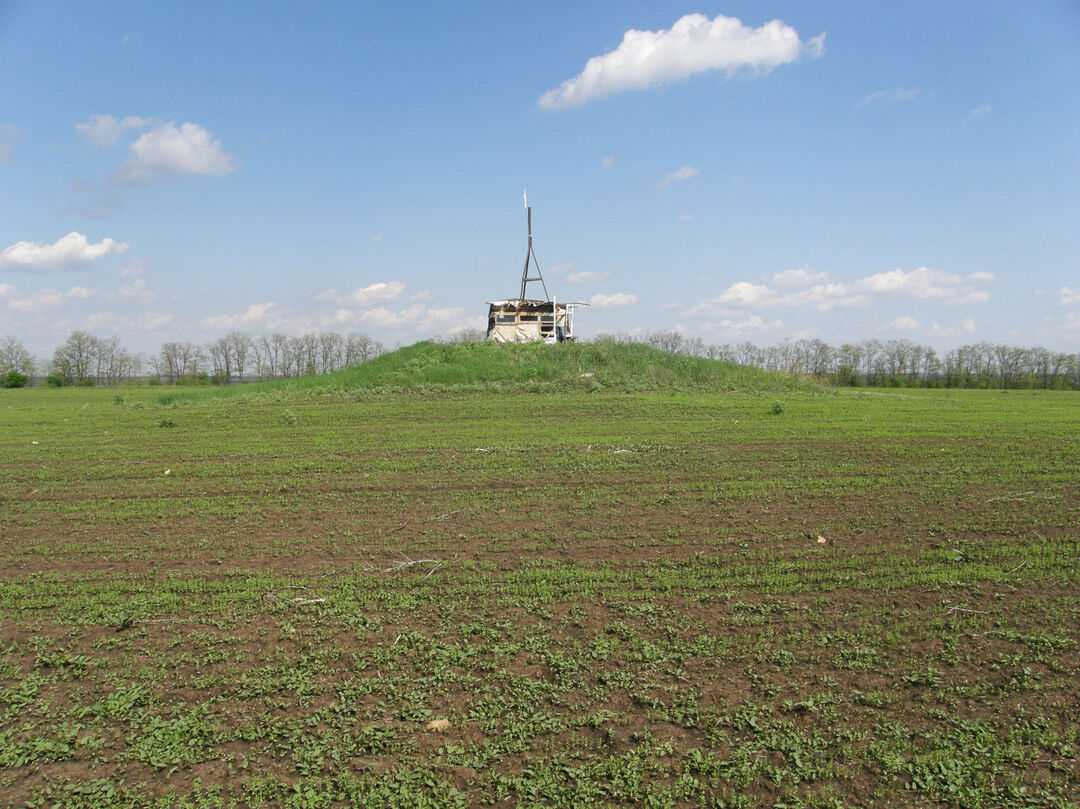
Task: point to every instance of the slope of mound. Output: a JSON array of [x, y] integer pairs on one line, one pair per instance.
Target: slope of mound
[[537, 367]]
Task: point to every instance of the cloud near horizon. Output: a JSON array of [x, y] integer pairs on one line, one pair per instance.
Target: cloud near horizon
[[618, 299], [694, 44], [752, 325], [819, 293], [365, 296], [66, 253]]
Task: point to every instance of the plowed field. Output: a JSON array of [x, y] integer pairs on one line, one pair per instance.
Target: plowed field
[[868, 599]]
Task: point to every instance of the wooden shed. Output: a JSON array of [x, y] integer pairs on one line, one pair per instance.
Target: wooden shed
[[528, 320]]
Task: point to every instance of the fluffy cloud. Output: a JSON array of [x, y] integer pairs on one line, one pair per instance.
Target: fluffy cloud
[[379, 292], [966, 327], [922, 284], [105, 130], [979, 112], [265, 315], [65, 253], [929, 284], [905, 323], [8, 133], [38, 301], [752, 325], [166, 149], [678, 176], [613, 301], [416, 318], [799, 278], [608, 161], [1069, 296], [694, 44], [49, 298]]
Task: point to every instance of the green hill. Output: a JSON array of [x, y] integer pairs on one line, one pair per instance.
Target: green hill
[[534, 368], [537, 367]]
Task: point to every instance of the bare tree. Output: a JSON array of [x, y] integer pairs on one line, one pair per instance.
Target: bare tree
[[241, 347], [666, 341], [76, 359], [220, 354], [361, 348], [15, 357], [331, 351]]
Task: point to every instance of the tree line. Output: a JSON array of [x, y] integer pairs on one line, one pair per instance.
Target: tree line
[[887, 363], [84, 359]]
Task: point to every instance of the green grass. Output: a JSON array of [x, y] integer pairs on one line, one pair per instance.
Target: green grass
[[669, 597], [535, 368]]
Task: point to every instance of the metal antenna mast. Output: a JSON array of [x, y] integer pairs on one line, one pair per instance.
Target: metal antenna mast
[[530, 254]]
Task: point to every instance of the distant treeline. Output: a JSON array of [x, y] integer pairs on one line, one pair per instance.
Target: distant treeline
[[84, 359], [887, 363]]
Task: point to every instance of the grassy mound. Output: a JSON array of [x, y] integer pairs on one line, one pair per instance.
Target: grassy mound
[[537, 367]]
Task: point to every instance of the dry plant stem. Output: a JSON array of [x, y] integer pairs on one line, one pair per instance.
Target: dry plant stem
[[1012, 498]]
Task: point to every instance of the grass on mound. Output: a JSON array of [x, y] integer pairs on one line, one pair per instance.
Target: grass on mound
[[534, 368]]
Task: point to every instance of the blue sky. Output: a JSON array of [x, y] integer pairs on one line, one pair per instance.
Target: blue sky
[[737, 171]]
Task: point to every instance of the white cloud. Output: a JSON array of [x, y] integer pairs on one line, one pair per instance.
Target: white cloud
[[559, 269], [65, 253], [613, 301], [686, 217], [752, 325], [922, 284], [678, 176], [891, 96], [373, 293], [1069, 296], [166, 149], [587, 275], [966, 327], [136, 291], [905, 323], [979, 112], [694, 44], [38, 301], [608, 161], [929, 284], [799, 278], [8, 134], [105, 130], [416, 318], [49, 298], [265, 315]]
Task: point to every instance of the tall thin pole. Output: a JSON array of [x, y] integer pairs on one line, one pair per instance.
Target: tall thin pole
[[531, 254]]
